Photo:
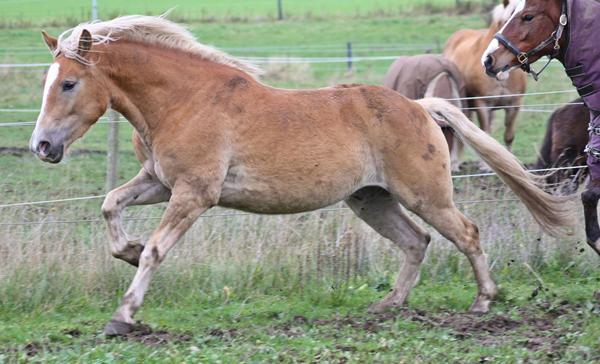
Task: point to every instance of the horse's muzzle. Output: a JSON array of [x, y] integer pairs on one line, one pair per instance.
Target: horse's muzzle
[[488, 63], [48, 152]]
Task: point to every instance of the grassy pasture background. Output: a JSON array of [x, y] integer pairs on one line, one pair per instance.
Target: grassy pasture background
[[23, 12], [256, 274]]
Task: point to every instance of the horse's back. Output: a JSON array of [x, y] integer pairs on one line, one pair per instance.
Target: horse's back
[[462, 43], [333, 142], [412, 75]]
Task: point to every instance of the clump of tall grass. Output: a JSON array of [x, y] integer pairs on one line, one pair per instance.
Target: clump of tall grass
[[54, 265]]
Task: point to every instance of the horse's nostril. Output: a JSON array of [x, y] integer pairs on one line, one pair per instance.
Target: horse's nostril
[[44, 147], [488, 62]]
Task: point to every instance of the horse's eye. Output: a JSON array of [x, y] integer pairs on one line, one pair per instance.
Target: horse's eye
[[527, 17], [68, 85]]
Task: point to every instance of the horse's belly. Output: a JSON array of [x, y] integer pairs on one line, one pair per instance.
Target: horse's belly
[[281, 194]]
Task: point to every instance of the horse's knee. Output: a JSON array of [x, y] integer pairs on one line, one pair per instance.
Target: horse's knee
[[151, 256]]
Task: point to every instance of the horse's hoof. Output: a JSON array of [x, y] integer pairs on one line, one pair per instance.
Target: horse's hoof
[[382, 307], [480, 308], [118, 328], [131, 255], [595, 245]]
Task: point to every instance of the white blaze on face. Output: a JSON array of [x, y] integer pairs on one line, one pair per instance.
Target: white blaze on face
[[51, 77], [490, 49]]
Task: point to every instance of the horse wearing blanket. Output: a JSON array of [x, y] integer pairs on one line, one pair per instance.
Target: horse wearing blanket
[[565, 30], [430, 75], [208, 133]]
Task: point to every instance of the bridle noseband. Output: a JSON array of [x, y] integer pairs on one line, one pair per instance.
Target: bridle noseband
[[523, 57]]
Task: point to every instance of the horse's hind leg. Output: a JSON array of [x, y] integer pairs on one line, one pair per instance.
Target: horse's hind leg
[[590, 207], [382, 212], [143, 189], [457, 228]]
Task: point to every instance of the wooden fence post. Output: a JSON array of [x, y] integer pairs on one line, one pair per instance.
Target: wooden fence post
[[112, 155], [279, 10], [349, 55]]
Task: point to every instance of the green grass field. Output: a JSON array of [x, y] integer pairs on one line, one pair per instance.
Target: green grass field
[[248, 288], [24, 12]]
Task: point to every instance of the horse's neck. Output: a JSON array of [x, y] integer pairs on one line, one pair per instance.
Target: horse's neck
[[147, 83], [492, 30]]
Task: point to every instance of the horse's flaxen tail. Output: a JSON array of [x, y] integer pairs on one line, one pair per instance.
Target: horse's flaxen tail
[[555, 214]]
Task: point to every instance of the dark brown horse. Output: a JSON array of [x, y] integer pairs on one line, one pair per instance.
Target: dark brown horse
[[430, 75], [564, 144], [565, 30]]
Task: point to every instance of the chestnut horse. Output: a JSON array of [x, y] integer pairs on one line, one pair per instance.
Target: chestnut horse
[[465, 49], [208, 133], [565, 30]]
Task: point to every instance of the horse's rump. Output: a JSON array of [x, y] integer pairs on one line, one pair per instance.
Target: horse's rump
[[411, 75]]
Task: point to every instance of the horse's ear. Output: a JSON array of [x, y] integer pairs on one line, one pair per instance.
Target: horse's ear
[[50, 41], [85, 43]]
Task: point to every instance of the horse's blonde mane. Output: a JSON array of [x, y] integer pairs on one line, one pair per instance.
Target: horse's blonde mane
[[147, 29]]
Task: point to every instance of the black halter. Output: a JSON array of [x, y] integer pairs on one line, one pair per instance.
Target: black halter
[[523, 57]]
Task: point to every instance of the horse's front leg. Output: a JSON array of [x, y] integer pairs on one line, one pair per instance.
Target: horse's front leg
[[143, 189], [510, 124], [184, 208], [590, 204]]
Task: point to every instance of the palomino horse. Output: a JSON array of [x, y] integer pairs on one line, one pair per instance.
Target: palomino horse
[[564, 144], [465, 48], [430, 75], [208, 133], [565, 30]]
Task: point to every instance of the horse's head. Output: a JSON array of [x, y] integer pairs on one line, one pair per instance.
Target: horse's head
[[532, 31], [74, 99]]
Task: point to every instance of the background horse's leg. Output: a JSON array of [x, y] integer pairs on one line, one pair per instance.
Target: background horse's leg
[[143, 189], [590, 204], [382, 212], [184, 208], [456, 154], [483, 115], [509, 125]]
